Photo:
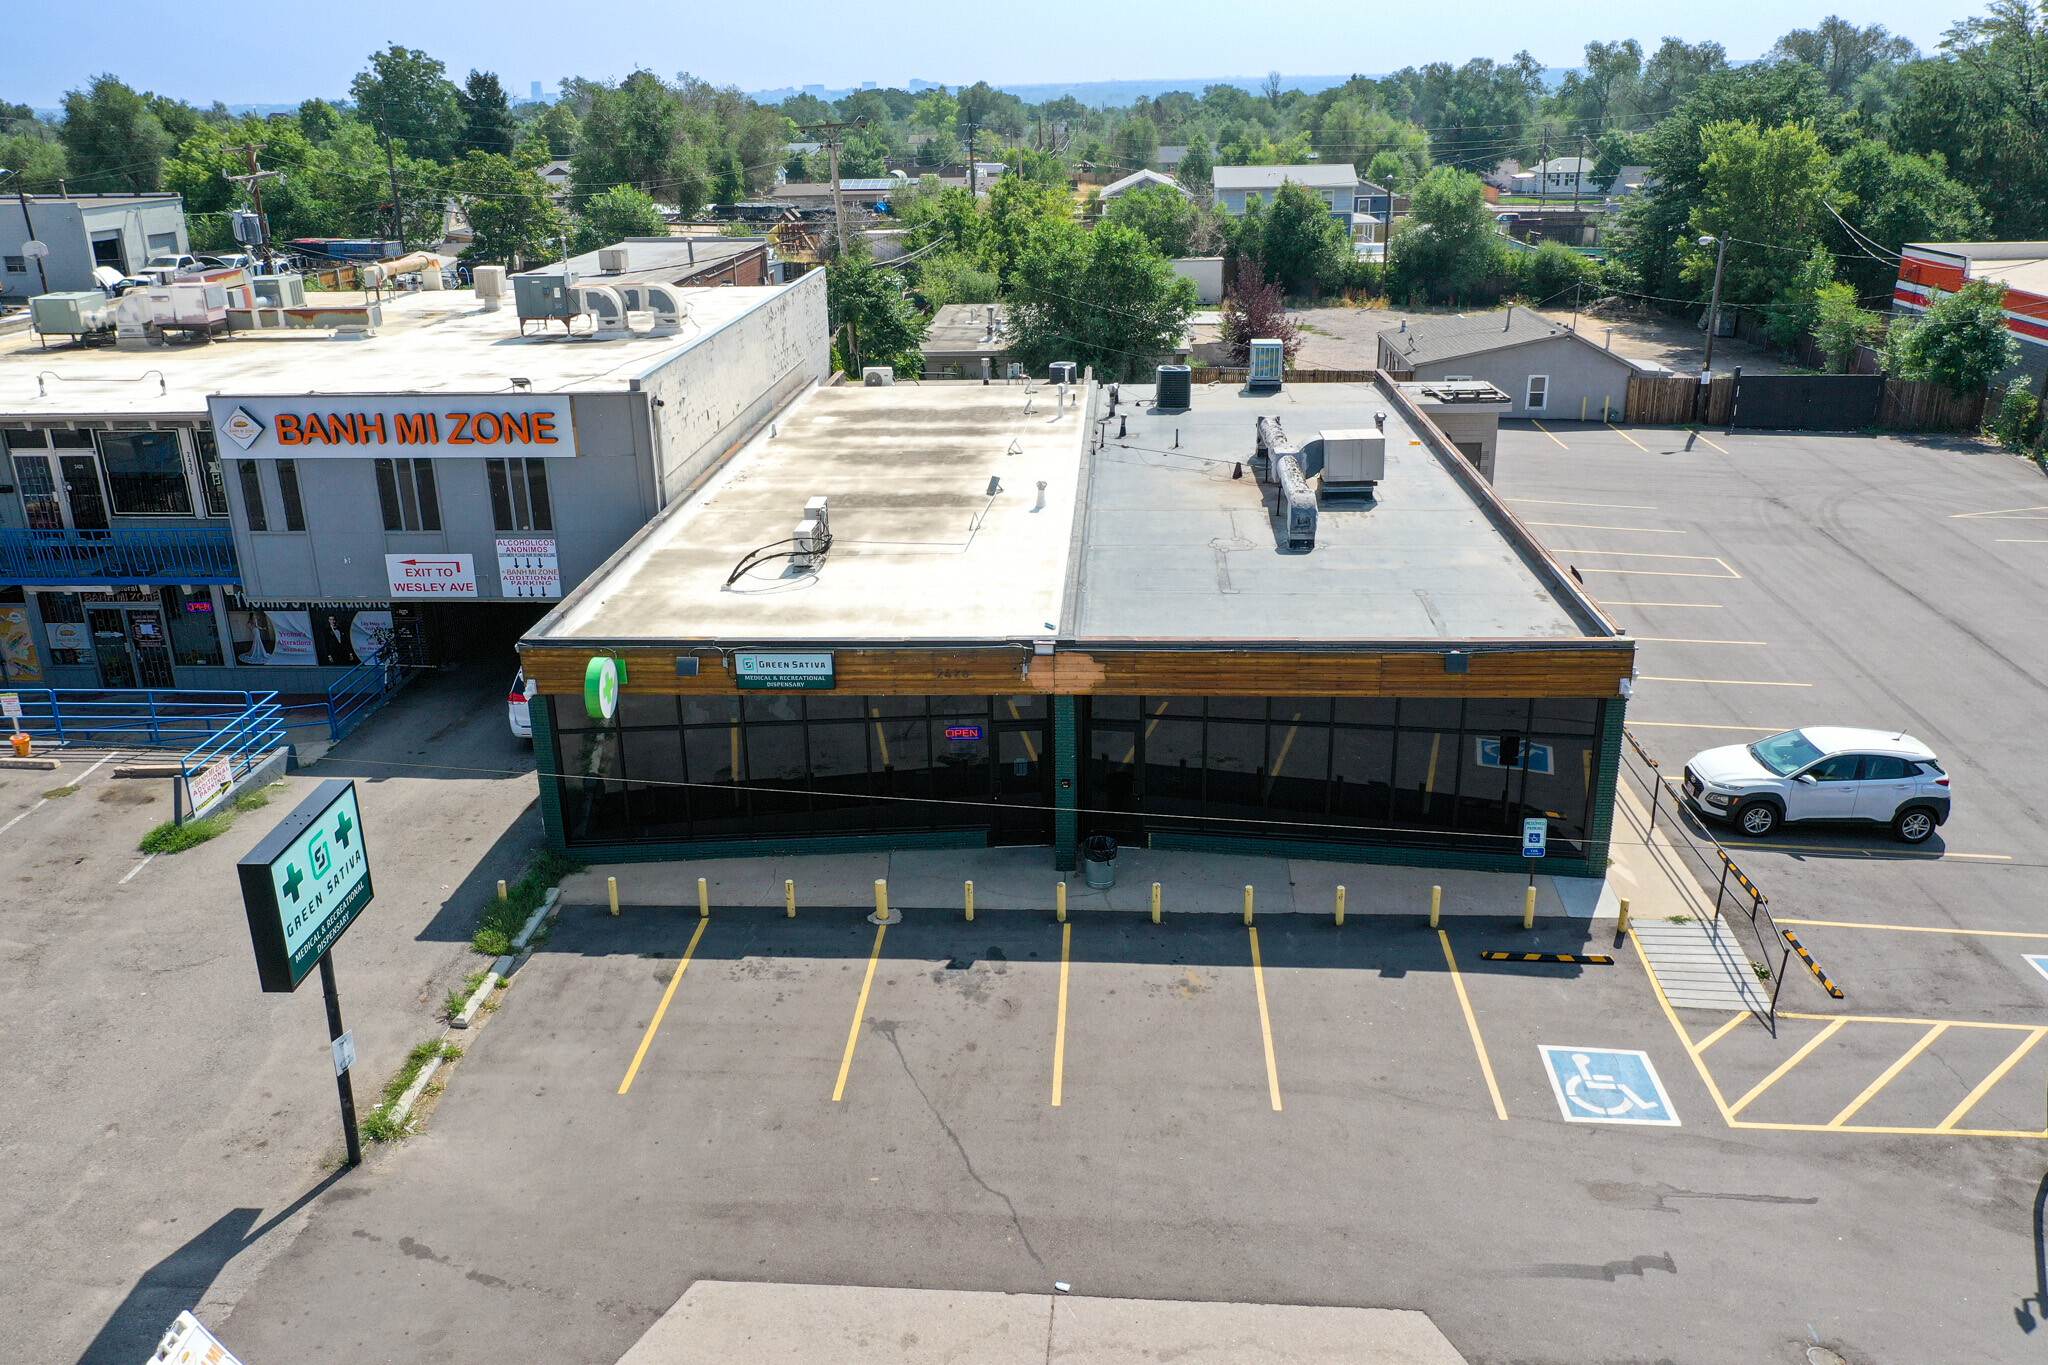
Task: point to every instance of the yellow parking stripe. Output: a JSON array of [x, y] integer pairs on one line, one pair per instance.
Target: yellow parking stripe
[[1265, 1022], [1589, 526], [1710, 441], [1500, 1106], [1059, 1033], [1722, 1032], [1885, 1078], [1721, 682], [1547, 432], [1984, 1086], [1915, 929], [1794, 1060], [666, 996], [1626, 437], [860, 1010]]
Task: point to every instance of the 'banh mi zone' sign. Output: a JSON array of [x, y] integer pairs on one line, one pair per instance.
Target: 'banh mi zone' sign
[[364, 426]]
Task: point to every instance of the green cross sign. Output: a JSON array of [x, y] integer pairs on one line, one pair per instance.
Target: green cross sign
[[305, 884]]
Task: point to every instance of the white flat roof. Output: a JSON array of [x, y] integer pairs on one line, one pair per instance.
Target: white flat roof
[[429, 342], [920, 550]]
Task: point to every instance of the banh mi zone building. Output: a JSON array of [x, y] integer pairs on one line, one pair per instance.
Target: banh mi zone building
[[956, 614]]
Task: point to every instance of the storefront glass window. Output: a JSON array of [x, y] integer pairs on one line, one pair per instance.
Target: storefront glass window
[[64, 626], [145, 473], [194, 638]]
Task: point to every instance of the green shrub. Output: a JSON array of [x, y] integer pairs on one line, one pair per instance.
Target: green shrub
[[2018, 417], [502, 919], [175, 838]]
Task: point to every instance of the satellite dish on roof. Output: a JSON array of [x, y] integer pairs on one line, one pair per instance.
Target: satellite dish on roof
[[35, 250]]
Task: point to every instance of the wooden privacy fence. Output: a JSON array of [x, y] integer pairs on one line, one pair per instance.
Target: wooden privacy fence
[[1674, 400], [1214, 374]]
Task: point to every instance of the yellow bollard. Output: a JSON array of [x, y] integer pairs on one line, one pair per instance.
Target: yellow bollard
[[1436, 904], [970, 902], [703, 899], [1340, 907], [881, 899], [611, 884], [1247, 905], [1529, 909], [789, 897], [1060, 896], [501, 889], [1621, 925], [1155, 902]]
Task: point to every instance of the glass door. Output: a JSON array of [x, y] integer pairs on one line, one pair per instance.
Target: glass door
[[1109, 793], [152, 648], [82, 488], [1023, 787], [110, 647]]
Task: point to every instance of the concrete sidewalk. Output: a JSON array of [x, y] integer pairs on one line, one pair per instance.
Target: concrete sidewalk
[[1024, 878], [804, 1324]]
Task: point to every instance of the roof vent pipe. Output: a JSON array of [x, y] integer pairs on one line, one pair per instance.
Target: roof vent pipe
[[1509, 324]]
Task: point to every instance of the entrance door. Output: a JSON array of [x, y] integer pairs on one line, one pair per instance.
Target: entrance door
[[82, 488], [1110, 792], [110, 646], [1023, 789], [152, 648]]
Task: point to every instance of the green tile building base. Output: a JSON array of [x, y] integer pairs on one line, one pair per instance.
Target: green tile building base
[[1378, 853], [773, 847]]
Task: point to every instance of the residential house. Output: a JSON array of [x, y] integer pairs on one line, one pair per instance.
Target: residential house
[[1568, 176], [1234, 185], [1546, 369], [1138, 180]]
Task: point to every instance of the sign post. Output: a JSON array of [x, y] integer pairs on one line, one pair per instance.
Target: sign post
[[1535, 843], [301, 888]]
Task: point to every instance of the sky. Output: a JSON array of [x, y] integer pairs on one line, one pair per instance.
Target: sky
[[212, 53]]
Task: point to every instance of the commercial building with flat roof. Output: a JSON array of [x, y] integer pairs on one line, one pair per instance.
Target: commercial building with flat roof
[[270, 509], [1029, 618], [83, 232]]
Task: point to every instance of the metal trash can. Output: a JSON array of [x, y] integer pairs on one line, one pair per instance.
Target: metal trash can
[[1098, 857]]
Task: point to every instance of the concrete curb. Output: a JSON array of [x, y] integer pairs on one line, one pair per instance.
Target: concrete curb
[[43, 764]]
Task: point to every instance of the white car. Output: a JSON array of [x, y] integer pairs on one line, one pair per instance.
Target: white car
[[518, 705], [1822, 773]]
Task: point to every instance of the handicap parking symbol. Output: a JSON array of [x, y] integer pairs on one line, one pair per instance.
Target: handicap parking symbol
[[1603, 1085]]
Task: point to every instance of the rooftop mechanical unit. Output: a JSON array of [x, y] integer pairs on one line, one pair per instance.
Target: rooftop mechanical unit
[[1267, 357], [1354, 461], [878, 376], [1176, 387], [78, 313], [1062, 371], [1279, 462], [545, 296]]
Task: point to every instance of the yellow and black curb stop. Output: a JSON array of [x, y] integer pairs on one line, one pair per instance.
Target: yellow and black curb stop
[[1590, 959], [1830, 987]]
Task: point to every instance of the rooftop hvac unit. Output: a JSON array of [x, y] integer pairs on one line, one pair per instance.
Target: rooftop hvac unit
[[605, 306], [1353, 461], [246, 225], [1062, 371], [76, 313], [613, 260], [279, 291], [489, 283], [878, 376], [1176, 387], [545, 296], [1276, 458], [1266, 360]]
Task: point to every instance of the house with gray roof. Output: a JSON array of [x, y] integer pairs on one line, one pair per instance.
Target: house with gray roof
[[1138, 180], [1549, 370]]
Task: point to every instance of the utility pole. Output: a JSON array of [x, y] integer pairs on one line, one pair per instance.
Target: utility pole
[[254, 180], [28, 226], [971, 126], [391, 165], [1714, 308], [1578, 172], [833, 135]]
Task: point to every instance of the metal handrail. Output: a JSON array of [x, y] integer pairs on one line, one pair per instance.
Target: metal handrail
[[133, 718], [356, 694], [182, 554]]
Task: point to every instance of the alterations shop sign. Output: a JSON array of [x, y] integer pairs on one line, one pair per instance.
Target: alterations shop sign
[[305, 884], [366, 426]]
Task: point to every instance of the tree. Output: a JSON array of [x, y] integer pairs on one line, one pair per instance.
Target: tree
[[1553, 275], [1137, 144], [1297, 241], [1604, 94], [31, 148], [1983, 105], [1842, 52], [1448, 243], [1162, 215], [1765, 191], [111, 139], [1103, 298], [2019, 416], [620, 212], [885, 330], [405, 94], [1892, 198], [486, 114], [511, 211], [1196, 167], [1017, 211], [318, 119], [557, 125], [1796, 309], [1674, 71], [1256, 310], [1961, 340], [1841, 326], [1474, 112], [638, 134]]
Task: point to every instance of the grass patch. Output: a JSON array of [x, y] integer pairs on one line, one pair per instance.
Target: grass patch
[[383, 1125], [502, 919], [458, 998], [175, 838], [58, 793]]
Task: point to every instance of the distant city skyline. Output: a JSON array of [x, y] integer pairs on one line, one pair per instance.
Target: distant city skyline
[[207, 57]]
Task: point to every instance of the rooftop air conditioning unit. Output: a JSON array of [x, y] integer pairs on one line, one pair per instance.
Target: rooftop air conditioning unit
[[1266, 361], [1353, 461], [878, 376], [1061, 371], [489, 283], [612, 260]]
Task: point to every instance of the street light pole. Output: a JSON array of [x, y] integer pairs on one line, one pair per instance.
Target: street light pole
[[1714, 308]]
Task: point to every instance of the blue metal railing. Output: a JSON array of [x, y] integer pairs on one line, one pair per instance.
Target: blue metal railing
[[245, 741], [189, 554], [356, 694], [134, 718]]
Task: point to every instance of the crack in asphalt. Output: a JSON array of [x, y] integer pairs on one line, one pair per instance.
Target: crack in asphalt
[[887, 1028]]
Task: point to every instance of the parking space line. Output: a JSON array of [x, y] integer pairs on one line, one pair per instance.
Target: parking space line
[[1794, 1060], [1500, 1106], [1722, 682], [1915, 928], [860, 1010], [1626, 437], [46, 801], [1895, 1019], [1588, 526], [662, 1009], [2003, 512], [1889, 1073], [1983, 1087], [1614, 506], [1547, 432], [1623, 602], [1699, 1062], [1687, 725], [1685, 640], [1722, 1032], [1059, 1033], [1711, 441], [1265, 1022], [1729, 570]]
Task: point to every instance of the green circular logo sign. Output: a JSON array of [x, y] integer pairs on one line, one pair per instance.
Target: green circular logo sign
[[601, 688]]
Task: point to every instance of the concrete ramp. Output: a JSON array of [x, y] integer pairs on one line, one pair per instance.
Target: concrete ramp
[[801, 1324]]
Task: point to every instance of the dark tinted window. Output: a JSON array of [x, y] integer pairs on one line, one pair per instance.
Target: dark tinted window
[[1878, 768], [1840, 768]]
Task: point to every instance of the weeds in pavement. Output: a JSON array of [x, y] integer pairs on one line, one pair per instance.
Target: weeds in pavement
[[502, 919], [383, 1124], [175, 838]]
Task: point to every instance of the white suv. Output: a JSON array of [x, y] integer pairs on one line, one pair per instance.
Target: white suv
[[1822, 773]]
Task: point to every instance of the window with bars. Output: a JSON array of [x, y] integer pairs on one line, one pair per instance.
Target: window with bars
[[288, 492], [405, 488], [252, 495], [519, 495], [145, 473], [38, 489]]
